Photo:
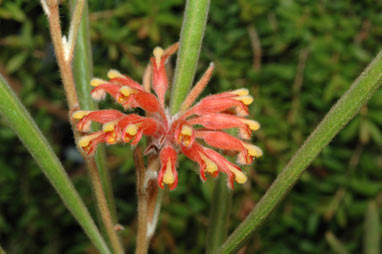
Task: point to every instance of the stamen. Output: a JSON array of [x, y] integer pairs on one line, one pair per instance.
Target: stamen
[[112, 138], [253, 125], [109, 126], [253, 150], [158, 53], [240, 177], [168, 177], [210, 165], [114, 74], [85, 140], [79, 114], [97, 81], [246, 99], [241, 92], [186, 130], [132, 129], [126, 91]]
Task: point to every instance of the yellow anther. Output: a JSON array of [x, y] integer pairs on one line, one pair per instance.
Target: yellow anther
[[253, 125], [97, 81], [241, 92], [240, 177], [186, 130], [132, 129], [84, 141], [210, 165], [109, 126], [168, 177], [246, 99], [126, 91], [111, 139], [79, 114], [158, 53], [114, 74], [253, 150]]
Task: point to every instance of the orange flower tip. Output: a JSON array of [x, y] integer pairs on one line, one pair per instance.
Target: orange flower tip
[[246, 99], [211, 166], [132, 129], [126, 91], [97, 81], [109, 126], [168, 177], [253, 125], [79, 114], [253, 150], [158, 53], [240, 177], [114, 74], [241, 92]]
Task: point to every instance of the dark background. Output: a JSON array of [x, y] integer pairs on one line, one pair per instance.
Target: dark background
[[307, 53]]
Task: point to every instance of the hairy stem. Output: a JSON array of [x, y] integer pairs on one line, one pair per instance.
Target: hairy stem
[[83, 72], [340, 114], [103, 207], [62, 49], [191, 36], [142, 239]]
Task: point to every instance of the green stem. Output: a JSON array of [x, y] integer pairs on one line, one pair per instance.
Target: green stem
[[22, 123], [372, 230], [340, 114], [191, 36], [219, 214], [83, 72]]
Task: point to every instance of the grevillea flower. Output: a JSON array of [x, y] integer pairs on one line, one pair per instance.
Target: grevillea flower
[[203, 123]]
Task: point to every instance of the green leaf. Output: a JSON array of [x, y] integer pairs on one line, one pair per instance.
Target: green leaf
[[24, 126], [372, 230], [191, 36]]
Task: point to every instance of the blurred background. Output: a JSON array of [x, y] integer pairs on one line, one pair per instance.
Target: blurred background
[[297, 57]]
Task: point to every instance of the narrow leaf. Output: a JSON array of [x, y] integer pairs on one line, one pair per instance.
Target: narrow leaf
[[191, 36]]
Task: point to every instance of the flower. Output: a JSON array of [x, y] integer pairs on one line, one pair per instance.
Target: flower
[[183, 132]]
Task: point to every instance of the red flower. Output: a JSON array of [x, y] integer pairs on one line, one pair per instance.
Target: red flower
[[205, 121]]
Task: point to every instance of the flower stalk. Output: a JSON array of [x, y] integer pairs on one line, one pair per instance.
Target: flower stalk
[[340, 114], [142, 196], [64, 54], [82, 68]]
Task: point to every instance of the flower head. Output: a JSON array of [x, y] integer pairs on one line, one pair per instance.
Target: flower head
[[184, 132]]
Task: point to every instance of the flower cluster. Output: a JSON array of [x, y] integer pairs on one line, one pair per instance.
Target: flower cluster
[[170, 134]]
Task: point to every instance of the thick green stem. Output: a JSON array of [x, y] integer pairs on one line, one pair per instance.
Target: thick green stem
[[219, 214], [191, 36], [340, 114], [22, 123], [83, 72]]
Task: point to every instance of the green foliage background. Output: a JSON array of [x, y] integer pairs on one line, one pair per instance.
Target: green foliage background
[[311, 51]]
